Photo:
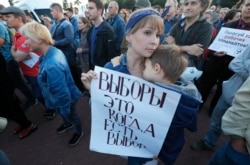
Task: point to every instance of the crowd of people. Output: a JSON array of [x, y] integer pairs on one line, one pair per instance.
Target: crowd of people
[[52, 62]]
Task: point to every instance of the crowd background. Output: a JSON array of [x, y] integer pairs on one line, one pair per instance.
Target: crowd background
[[95, 37]]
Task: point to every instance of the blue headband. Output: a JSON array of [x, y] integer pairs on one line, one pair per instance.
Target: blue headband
[[135, 18]]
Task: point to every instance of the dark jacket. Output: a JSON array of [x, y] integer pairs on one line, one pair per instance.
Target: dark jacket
[[198, 33], [104, 45]]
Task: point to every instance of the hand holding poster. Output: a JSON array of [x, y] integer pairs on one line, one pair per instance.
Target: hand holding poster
[[232, 41], [130, 116], [34, 58]]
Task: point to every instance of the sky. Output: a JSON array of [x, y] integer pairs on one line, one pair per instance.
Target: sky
[[5, 3]]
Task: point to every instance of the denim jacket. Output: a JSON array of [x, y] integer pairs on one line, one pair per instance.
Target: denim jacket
[[56, 82]]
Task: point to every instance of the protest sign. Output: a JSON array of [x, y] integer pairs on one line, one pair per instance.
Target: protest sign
[[232, 41], [129, 116]]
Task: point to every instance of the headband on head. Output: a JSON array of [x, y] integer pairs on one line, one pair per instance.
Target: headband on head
[[135, 18]]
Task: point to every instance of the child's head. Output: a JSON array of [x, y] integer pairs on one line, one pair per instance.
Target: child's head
[[165, 65]]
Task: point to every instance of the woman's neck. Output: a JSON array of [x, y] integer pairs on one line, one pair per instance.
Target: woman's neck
[[135, 63], [44, 49]]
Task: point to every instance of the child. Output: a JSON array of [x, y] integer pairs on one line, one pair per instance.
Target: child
[[164, 68]]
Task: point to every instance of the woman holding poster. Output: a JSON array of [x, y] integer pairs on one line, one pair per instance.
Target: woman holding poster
[[143, 32]]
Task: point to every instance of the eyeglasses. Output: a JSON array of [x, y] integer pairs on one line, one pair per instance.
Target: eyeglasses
[[121, 13]]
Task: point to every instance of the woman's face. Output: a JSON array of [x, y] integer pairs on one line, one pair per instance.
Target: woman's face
[[144, 41], [81, 25], [122, 14], [32, 44]]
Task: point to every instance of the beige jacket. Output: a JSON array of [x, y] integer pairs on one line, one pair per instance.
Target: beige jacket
[[236, 120]]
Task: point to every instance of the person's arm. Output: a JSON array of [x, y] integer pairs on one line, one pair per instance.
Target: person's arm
[[202, 39], [75, 26], [241, 64], [58, 87], [195, 49], [235, 121], [19, 55], [111, 45], [121, 31]]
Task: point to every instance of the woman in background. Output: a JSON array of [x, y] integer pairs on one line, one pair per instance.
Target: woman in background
[[83, 49]]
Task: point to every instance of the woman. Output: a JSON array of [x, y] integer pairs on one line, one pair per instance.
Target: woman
[[46, 21], [142, 33], [83, 50], [55, 79], [124, 14]]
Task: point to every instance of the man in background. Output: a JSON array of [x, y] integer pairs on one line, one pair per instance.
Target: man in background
[[101, 37], [117, 23]]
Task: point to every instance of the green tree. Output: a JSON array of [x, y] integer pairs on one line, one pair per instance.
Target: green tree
[[128, 4], [224, 3], [77, 2], [158, 2]]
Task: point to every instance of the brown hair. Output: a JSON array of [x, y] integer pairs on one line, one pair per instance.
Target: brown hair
[[36, 32], [155, 20], [99, 4], [205, 4], [85, 21], [126, 13], [58, 6], [171, 59]]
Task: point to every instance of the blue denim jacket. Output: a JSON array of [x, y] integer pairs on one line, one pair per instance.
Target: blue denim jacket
[[118, 25], [56, 82]]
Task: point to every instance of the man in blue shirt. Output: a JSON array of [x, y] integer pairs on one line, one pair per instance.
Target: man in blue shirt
[[62, 32], [101, 37]]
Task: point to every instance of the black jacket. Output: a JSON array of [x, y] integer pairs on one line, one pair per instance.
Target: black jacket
[[104, 45]]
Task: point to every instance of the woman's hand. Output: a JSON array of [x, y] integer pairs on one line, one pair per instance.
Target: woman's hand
[[79, 50], [86, 78], [220, 53], [116, 60]]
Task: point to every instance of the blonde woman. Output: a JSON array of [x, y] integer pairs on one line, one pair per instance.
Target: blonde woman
[[55, 80]]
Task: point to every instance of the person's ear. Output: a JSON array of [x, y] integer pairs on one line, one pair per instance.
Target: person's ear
[[157, 68], [128, 38]]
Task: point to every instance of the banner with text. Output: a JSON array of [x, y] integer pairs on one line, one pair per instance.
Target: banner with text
[[129, 116], [232, 41]]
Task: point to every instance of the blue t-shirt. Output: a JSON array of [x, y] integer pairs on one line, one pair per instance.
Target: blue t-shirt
[[92, 41], [5, 48]]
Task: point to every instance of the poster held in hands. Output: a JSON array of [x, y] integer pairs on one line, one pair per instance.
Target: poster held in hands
[[129, 116], [232, 41]]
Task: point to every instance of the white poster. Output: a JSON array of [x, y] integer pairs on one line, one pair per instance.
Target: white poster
[[129, 116], [232, 41], [34, 58]]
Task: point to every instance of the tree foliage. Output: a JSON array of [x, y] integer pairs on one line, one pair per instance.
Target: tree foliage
[[224, 3]]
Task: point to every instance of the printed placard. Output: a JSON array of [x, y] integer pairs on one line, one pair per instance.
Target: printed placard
[[129, 116], [232, 41]]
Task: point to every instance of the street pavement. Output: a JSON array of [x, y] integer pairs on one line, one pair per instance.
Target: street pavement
[[46, 147]]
